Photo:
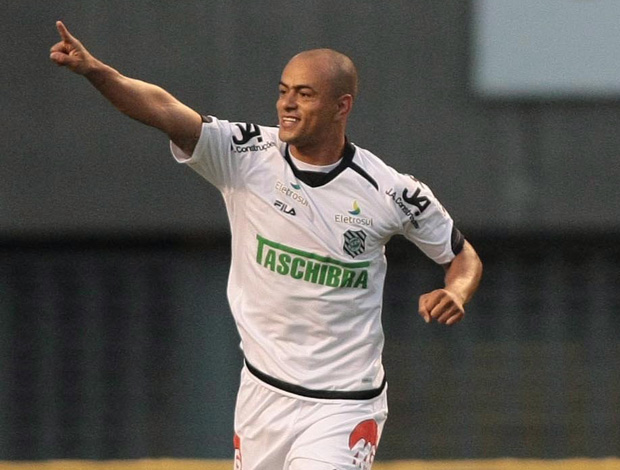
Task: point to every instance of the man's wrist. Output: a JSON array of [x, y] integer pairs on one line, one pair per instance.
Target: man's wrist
[[457, 294], [97, 72]]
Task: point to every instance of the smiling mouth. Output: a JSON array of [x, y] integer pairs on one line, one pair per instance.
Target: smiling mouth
[[288, 121]]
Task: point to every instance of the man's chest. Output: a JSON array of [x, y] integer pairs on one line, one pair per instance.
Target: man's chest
[[345, 218]]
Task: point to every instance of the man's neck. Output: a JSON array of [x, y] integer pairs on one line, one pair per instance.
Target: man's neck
[[320, 154]]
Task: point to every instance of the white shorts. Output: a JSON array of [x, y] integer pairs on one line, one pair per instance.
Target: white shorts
[[277, 430]]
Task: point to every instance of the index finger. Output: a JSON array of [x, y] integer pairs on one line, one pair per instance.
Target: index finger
[[64, 32]]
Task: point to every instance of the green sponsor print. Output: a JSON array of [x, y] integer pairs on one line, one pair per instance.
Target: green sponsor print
[[310, 267]]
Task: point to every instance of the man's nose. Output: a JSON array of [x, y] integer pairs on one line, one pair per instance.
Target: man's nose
[[289, 101]]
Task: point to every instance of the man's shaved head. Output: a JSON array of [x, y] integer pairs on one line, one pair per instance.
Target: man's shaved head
[[315, 97], [340, 69]]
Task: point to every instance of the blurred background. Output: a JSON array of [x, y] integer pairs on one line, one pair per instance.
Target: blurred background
[[116, 340]]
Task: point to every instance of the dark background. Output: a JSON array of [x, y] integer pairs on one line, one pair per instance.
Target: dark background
[[115, 336]]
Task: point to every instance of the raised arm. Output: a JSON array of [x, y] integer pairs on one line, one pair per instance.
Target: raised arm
[[462, 278], [139, 100]]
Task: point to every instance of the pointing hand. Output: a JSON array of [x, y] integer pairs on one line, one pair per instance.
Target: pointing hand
[[70, 52]]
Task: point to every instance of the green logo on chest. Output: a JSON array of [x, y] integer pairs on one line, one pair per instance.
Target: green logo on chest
[[310, 267]]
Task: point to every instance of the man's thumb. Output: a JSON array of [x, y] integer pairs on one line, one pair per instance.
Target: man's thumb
[[423, 310]]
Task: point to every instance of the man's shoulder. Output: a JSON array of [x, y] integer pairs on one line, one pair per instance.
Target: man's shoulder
[[373, 164], [245, 138], [249, 137]]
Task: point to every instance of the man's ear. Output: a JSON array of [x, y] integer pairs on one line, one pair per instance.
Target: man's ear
[[345, 105]]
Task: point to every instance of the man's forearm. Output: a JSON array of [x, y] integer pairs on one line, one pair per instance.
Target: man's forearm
[[464, 273], [139, 100]]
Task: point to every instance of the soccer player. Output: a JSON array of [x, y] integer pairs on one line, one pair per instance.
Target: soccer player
[[310, 214]]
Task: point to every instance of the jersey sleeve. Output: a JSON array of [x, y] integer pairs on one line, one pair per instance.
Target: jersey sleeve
[[212, 158], [424, 221]]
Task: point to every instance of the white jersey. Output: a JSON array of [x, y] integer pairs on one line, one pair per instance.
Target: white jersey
[[308, 264]]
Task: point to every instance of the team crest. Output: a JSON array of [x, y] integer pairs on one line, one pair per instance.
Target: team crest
[[354, 242]]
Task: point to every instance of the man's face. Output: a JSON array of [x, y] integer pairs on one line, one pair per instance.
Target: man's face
[[306, 104]]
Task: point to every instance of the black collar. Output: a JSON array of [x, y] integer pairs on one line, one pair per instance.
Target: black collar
[[316, 178]]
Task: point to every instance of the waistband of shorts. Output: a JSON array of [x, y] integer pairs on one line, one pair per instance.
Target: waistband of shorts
[[311, 393]]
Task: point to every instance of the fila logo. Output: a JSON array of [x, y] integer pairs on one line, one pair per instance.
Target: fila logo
[[284, 208]]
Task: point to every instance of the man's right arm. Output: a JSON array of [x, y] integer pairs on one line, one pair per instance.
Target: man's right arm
[[139, 100]]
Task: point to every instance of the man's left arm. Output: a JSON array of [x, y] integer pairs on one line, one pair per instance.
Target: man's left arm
[[463, 274]]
